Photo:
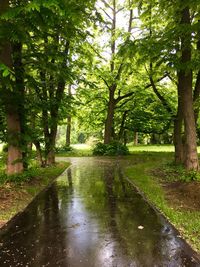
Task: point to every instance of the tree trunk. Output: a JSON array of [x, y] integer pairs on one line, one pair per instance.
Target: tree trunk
[[68, 131], [20, 92], [69, 120], [135, 138], [125, 137], [50, 147], [110, 118], [122, 129], [191, 156], [39, 153], [178, 141], [109, 124], [196, 97], [178, 127], [51, 157], [197, 84], [14, 160], [186, 94]]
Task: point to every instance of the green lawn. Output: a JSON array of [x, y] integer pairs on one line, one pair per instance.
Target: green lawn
[[78, 150], [151, 148]]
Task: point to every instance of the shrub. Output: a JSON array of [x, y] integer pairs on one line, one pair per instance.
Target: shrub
[[113, 149], [63, 149], [99, 149]]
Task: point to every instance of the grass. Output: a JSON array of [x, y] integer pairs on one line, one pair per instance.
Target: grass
[[150, 148], [78, 150], [187, 222], [15, 195]]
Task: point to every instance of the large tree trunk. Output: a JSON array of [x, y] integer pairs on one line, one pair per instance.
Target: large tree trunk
[[191, 156], [186, 94], [51, 157], [178, 140], [109, 124], [20, 91], [14, 160], [178, 128], [197, 84]]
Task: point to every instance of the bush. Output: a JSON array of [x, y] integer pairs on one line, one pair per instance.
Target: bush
[[99, 149], [63, 149], [113, 149]]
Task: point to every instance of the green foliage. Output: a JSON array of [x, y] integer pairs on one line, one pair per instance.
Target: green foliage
[[63, 149], [33, 173], [178, 173], [99, 149], [113, 149], [19, 178]]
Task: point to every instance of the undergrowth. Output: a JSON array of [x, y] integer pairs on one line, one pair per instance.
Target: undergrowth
[[174, 172], [33, 172]]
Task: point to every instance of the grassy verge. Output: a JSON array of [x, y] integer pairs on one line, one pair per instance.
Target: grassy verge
[[150, 148], [185, 220], [16, 194]]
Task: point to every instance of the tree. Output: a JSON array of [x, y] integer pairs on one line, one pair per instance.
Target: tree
[[10, 96], [173, 48], [35, 70]]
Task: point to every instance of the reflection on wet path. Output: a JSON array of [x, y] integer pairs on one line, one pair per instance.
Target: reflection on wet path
[[90, 217]]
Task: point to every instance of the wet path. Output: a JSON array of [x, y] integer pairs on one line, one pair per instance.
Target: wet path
[[90, 217]]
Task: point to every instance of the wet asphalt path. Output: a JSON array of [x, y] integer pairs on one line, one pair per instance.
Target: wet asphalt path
[[92, 217]]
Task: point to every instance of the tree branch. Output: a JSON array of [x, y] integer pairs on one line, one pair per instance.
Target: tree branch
[[126, 101], [105, 82], [119, 10], [117, 100], [117, 78], [106, 13], [160, 97], [107, 5]]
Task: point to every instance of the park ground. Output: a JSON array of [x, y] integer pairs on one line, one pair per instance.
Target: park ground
[[166, 187]]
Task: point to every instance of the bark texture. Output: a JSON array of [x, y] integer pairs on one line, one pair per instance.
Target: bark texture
[[109, 124], [186, 94], [14, 160]]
